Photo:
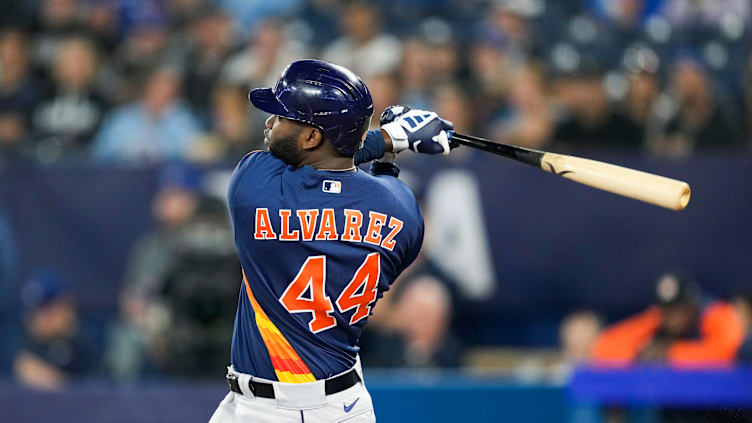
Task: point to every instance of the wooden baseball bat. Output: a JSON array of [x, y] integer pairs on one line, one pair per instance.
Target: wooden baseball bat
[[653, 189]]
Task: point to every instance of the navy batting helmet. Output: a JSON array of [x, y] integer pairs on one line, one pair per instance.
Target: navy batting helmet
[[324, 95]]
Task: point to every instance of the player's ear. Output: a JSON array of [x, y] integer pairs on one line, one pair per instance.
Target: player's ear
[[311, 138]]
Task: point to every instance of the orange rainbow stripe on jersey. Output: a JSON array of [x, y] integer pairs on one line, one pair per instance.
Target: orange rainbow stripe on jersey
[[287, 363]]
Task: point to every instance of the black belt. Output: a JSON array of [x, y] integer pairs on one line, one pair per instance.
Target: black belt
[[266, 390]]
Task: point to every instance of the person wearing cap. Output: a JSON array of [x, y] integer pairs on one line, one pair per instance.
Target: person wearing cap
[[173, 205], [55, 349], [151, 259], [683, 328]]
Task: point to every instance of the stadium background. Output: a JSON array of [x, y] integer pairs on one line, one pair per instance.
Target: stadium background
[[106, 106]]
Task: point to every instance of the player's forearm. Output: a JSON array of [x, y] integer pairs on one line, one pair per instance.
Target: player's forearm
[[374, 147], [377, 149]]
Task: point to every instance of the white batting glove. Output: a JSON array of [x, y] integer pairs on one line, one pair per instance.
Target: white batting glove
[[418, 130]]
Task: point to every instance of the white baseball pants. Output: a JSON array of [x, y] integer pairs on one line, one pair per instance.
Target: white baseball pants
[[296, 403]]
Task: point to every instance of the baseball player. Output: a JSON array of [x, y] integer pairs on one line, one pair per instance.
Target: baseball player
[[319, 242]]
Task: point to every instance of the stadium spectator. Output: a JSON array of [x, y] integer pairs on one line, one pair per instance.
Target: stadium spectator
[[55, 349], [19, 92], [211, 39], [743, 304], [234, 128], [247, 14], [526, 119], [363, 48], [414, 73], [696, 119], [146, 44], [507, 21], [181, 13], [412, 325], [589, 119], [263, 60], [321, 16], [455, 103], [578, 333], [423, 316], [385, 92], [452, 102], [684, 328], [135, 16], [180, 286], [101, 23], [440, 38], [69, 115], [491, 69], [198, 295], [55, 21], [185, 326], [157, 127], [380, 345], [173, 206]]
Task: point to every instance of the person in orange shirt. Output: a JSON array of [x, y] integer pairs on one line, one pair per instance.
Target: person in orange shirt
[[683, 328]]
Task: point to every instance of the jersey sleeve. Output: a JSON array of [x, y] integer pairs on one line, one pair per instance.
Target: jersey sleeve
[[373, 148], [410, 239], [414, 248]]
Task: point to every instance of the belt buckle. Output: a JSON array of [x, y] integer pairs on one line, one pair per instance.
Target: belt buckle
[[232, 382]]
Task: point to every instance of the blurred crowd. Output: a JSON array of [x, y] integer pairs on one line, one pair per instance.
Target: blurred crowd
[[144, 81]]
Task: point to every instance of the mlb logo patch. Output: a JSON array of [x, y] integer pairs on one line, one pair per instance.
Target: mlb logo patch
[[332, 187]]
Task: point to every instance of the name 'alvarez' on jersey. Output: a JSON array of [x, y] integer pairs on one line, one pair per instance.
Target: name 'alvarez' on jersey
[[318, 248]]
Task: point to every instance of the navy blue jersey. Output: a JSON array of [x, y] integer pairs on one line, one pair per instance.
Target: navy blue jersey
[[318, 248]]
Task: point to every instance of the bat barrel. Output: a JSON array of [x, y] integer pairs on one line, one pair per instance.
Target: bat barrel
[[653, 189]]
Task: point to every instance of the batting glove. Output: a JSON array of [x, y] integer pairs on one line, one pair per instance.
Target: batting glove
[[418, 130]]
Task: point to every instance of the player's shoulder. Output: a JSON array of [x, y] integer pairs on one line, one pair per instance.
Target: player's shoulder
[[256, 165], [259, 163], [387, 192], [257, 157]]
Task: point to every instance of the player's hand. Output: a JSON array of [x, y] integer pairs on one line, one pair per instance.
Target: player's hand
[[418, 130]]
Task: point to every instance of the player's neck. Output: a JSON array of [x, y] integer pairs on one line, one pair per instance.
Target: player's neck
[[329, 163]]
